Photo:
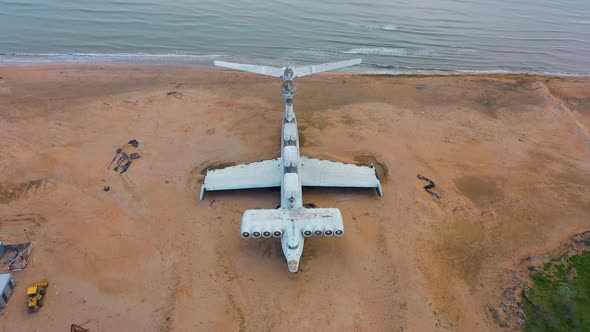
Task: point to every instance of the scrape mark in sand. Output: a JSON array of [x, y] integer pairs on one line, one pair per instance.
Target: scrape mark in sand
[[349, 121], [11, 227], [170, 306], [227, 277], [495, 96], [12, 191], [4, 90], [302, 137], [388, 284], [12, 224], [313, 119], [32, 219], [489, 105]]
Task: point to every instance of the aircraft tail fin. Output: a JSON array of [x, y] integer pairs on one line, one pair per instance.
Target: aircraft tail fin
[[263, 70], [309, 70]]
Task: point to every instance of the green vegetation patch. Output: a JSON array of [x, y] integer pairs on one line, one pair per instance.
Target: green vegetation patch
[[559, 299]]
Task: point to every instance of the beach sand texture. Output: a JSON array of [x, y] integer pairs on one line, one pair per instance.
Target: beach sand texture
[[510, 156]]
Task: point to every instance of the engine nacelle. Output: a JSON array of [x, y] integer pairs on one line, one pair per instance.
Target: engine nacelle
[[256, 233], [318, 232], [328, 232], [266, 234], [277, 233], [245, 235], [307, 232], [339, 232]]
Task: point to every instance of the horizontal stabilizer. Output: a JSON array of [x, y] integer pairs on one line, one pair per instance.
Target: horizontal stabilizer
[[263, 70], [267, 223], [279, 72], [309, 70]]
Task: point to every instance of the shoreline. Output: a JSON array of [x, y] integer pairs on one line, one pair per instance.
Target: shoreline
[[207, 61]]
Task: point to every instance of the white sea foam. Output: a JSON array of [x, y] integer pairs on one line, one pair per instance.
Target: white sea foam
[[430, 72], [107, 57], [113, 55], [389, 27], [377, 51], [389, 51], [314, 53]]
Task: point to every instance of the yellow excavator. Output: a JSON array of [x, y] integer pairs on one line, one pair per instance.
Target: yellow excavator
[[35, 295]]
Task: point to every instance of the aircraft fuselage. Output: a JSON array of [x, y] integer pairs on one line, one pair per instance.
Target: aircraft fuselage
[[292, 240], [291, 221]]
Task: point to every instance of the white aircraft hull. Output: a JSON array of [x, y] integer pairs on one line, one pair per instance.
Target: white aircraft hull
[[291, 222]]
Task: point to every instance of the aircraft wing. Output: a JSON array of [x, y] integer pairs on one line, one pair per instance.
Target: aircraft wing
[[264, 70], [325, 173], [309, 70], [275, 222], [261, 174]]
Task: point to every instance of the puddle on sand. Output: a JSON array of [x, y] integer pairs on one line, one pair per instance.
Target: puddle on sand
[[481, 190]]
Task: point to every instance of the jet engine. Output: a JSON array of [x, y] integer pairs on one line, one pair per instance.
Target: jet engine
[[307, 232], [339, 232], [328, 232], [277, 233], [256, 233], [266, 234]]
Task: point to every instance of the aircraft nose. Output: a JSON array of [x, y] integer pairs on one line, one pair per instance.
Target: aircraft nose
[[293, 266]]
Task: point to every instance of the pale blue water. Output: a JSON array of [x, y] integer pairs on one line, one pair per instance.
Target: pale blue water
[[548, 36]]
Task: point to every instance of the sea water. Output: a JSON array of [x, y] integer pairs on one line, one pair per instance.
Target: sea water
[[394, 36]]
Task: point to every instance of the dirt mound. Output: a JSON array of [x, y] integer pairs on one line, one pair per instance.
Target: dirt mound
[[380, 168], [215, 165]]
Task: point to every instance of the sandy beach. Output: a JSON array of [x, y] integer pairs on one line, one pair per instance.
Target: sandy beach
[[510, 156]]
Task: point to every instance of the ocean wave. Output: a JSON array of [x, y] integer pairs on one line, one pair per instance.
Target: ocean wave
[[373, 69], [114, 54], [314, 53], [388, 27], [389, 51], [105, 57]]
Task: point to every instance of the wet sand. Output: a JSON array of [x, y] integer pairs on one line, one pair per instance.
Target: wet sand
[[509, 154]]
